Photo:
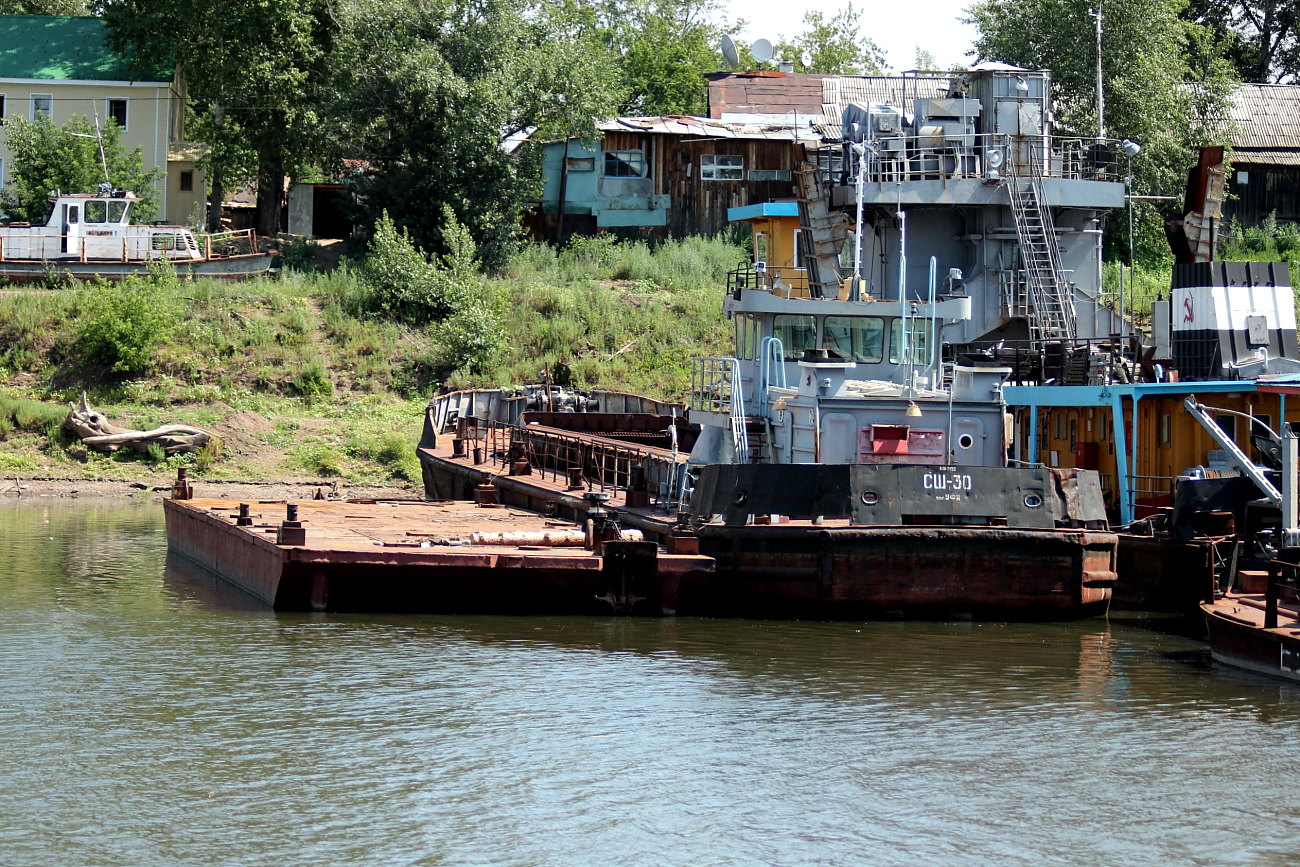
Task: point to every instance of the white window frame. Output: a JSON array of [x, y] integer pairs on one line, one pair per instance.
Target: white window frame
[[32, 111], [2, 171], [796, 255], [126, 109], [4, 104], [722, 167]]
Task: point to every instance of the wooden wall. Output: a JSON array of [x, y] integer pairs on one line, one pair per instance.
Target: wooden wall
[[1271, 188]]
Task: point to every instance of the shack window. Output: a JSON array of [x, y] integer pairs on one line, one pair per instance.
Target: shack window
[[798, 248], [769, 175], [580, 164], [856, 338], [624, 164], [760, 247], [722, 167], [796, 333], [918, 341], [41, 104], [117, 111], [1166, 426], [187, 182], [95, 211]]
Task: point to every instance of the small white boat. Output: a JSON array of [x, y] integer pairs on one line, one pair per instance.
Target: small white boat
[[91, 235]]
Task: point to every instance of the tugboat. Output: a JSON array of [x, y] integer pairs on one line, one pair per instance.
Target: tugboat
[[91, 236], [851, 460]]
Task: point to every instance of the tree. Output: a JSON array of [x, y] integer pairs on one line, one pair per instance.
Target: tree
[[254, 71], [48, 157], [46, 7], [1260, 37], [1156, 92], [835, 46], [433, 91]]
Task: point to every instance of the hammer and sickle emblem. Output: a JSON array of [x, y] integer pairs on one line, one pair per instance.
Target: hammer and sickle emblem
[[1187, 309]]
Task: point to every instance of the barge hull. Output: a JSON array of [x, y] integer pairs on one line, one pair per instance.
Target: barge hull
[[627, 577]]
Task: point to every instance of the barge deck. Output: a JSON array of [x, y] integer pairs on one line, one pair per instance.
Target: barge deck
[[423, 557]]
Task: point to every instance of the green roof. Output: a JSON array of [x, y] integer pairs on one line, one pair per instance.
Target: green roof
[[64, 48]]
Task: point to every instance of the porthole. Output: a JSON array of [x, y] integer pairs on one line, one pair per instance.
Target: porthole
[[741, 498], [965, 441], [1033, 501], [870, 498]]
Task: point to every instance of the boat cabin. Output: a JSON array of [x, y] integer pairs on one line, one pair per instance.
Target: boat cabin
[[95, 227]]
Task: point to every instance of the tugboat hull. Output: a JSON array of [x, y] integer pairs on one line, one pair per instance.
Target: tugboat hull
[[927, 572]]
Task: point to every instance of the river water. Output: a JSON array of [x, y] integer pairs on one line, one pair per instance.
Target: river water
[[152, 717]]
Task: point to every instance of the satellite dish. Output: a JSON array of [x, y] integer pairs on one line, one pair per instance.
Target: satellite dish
[[761, 50], [806, 60], [729, 52]]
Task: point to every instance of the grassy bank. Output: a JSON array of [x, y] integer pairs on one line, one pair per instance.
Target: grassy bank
[[302, 379]]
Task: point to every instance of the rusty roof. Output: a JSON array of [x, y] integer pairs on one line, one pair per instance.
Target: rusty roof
[[1266, 117], [793, 127]]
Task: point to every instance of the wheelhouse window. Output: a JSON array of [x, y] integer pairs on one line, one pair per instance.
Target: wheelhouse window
[[117, 111], [624, 164], [41, 104], [96, 212], [722, 167], [748, 331], [796, 333], [855, 338], [918, 342]]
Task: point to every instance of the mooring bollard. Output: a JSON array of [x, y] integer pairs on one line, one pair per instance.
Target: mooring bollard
[[291, 532], [244, 519], [181, 488]]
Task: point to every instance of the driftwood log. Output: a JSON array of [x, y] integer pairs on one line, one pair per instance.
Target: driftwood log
[[98, 433]]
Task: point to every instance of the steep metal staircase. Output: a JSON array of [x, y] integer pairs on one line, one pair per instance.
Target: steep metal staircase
[[826, 232], [1052, 318]]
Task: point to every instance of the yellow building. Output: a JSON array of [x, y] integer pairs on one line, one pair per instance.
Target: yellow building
[[61, 66]]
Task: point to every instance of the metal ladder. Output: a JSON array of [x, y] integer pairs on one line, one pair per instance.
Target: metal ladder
[[1052, 318], [827, 232]]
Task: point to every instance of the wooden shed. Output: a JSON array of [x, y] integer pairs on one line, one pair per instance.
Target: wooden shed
[[1265, 175], [666, 176]]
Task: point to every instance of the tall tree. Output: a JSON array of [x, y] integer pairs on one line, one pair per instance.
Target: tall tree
[[433, 91], [833, 46], [1261, 37], [1154, 93], [46, 7], [252, 69]]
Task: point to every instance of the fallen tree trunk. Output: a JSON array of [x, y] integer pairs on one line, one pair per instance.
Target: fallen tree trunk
[[100, 434]]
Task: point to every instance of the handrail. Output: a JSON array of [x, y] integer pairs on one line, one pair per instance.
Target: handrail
[[772, 361]]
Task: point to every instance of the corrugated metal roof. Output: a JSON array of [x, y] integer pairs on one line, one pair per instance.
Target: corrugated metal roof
[[704, 127], [1267, 157], [64, 48], [1266, 116]]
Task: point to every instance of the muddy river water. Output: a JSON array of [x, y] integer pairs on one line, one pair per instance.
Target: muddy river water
[[149, 716]]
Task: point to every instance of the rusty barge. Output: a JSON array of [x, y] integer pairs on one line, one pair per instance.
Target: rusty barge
[[419, 557]]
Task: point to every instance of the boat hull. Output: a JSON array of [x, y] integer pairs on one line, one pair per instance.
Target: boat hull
[[925, 572], [230, 268], [1238, 639]]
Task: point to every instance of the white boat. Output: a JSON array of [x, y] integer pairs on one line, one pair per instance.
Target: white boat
[[90, 235]]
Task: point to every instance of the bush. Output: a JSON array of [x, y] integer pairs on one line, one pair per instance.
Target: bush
[[122, 327]]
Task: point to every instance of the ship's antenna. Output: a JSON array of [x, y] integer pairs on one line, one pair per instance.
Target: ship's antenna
[[1101, 97], [99, 139]]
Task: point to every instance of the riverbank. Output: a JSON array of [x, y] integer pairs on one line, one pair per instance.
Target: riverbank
[[72, 488]]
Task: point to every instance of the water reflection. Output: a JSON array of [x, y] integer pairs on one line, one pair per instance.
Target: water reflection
[[153, 716]]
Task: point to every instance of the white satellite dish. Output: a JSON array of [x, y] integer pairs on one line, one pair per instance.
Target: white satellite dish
[[761, 50], [806, 60], [729, 52]]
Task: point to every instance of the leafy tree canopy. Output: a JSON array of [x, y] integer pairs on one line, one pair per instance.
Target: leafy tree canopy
[[432, 92], [1260, 37], [47, 7], [47, 157], [834, 45]]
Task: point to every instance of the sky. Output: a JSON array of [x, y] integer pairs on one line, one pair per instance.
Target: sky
[[897, 26]]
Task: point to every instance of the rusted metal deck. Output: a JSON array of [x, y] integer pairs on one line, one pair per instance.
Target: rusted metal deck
[[408, 556]]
